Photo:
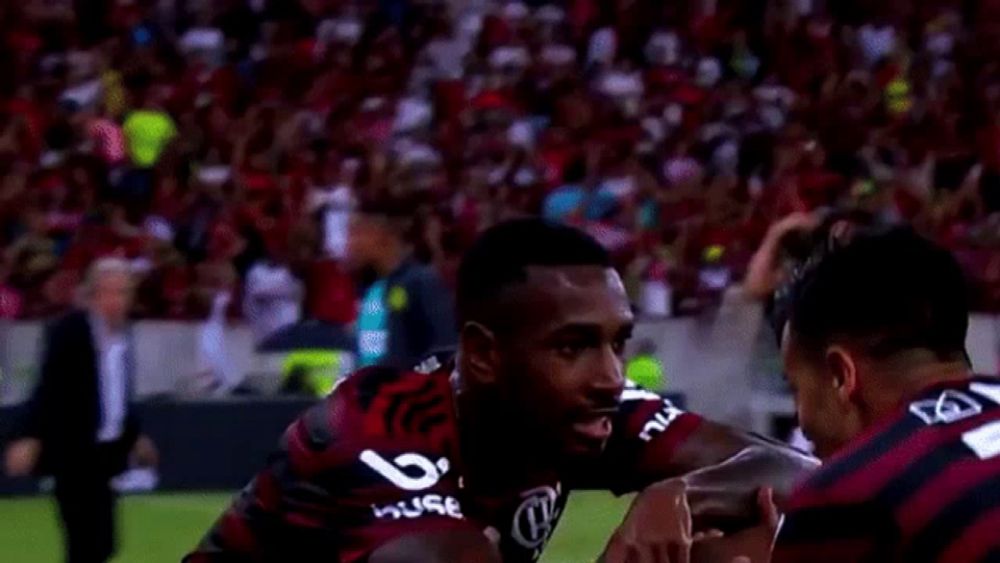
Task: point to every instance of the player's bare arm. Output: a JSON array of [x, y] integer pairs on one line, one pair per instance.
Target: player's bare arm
[[731, 468], [724, 468]]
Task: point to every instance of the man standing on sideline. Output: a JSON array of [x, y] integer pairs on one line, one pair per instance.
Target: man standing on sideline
[[79, 426], [406, 312]]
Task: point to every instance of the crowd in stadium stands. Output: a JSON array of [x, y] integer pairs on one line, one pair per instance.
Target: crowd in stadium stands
[[221, 145]]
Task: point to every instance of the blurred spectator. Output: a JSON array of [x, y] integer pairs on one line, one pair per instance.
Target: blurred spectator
[[674, 133], [148, 131], [80, 425], [272, 297], [215, 370], [10, 299], [406, 312]]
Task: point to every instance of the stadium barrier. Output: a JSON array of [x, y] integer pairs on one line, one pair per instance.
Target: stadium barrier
[[204, 444], [728, 348]]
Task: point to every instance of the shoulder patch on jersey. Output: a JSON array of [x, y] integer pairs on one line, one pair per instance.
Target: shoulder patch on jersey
[[949, 406]]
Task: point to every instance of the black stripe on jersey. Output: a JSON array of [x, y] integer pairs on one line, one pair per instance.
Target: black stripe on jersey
[[821, 524], [920, 472], [402, 403], [426, 424], [961, 513], [422, 408], [872, 450], [370, 382], [395, 402], [925, 469]]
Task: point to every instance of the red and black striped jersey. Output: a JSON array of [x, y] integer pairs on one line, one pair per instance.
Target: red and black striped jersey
[[923, 486], [379, 458]]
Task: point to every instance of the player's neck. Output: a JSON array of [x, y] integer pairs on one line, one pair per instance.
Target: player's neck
[[495, 451], [909, 381]]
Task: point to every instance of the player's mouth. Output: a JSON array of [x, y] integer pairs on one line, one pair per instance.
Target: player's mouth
[[595, 426]]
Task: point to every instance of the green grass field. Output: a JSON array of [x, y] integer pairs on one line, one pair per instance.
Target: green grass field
[[160, 528]]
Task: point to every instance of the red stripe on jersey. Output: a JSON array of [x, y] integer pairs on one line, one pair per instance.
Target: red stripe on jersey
[[942, 490], [236, 533], [868, 480], [267, 491], [677, 433], [976, 541]]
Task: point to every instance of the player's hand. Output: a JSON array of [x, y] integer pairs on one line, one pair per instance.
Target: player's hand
[[752, 545], [144, 453], [22, 456], [657, 528]]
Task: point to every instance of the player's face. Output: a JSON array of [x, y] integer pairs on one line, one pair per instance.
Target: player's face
[[828, 418], [364, 237], [112, 297], [561, 364]]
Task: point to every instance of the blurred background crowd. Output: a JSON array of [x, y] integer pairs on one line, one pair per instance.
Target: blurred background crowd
[[227, 156], [220, 146]]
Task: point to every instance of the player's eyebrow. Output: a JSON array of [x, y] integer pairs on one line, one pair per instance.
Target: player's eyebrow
[[577, 329], [626, 330], [589, 330]]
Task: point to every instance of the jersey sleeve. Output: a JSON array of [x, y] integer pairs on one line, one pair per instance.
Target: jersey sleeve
[[337, 485], [646, 435]]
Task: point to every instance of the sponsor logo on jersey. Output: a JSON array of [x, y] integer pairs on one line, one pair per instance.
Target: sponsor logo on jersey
[[409, 471], [420, 506], [536, 517], [949, 406], [660, 421]]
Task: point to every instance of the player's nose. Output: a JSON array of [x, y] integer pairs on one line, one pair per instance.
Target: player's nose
[[608, 376]]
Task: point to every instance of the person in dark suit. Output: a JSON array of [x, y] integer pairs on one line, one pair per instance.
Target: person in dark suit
[[79, 426]]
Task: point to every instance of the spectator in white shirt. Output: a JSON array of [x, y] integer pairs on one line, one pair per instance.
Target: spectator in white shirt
[[272, 298]]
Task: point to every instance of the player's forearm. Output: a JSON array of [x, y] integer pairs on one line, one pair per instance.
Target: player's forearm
[[725, 493], [764, 271], [724, 469], [755, 466]]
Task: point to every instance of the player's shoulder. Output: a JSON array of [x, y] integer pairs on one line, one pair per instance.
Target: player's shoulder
[[938, 427], [394, 407], [376, 410], [646, 414]]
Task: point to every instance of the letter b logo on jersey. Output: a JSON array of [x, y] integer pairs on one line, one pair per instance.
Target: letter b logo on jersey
[[410, 472]]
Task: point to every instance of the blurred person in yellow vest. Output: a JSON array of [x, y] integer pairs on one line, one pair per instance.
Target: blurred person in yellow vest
[[645, 369], [314, 372]]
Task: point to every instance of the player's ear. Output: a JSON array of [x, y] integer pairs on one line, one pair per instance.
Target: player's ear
[[843, 371], [477, 353]]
